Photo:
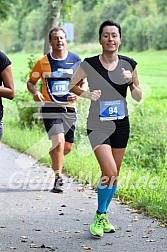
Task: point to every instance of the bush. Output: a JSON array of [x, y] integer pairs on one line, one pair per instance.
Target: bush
[[26, 108], [15, 47]]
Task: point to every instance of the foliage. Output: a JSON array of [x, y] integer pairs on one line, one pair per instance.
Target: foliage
[[88, 35], [26, 108], [143, 22], [147, 141], [160, 29], [162, 7], [89, 5], [115, 10], [6, 7], [137, 19], [9, 42], [21, 11]]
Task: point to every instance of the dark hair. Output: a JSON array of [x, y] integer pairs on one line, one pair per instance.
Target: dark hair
[[109, 23], [56, 29]]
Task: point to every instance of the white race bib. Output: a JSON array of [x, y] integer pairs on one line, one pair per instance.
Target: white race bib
[[112, 110], [59, 87]]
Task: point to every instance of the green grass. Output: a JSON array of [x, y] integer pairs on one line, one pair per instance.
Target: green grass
[[151, 67], [143, 178], [20, 63]]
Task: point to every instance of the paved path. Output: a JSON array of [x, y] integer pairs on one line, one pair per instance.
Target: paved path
[[34, 219]]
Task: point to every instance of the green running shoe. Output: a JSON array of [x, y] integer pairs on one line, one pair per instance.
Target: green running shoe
[[96, 228], [107, 226]]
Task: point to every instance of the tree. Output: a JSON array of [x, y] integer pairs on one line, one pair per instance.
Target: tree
[[22, 9], [5, 8], [54, 14], [53, 19], [162, 7]]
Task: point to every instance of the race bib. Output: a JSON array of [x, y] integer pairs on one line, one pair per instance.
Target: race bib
[[59, 87], [112, 110]]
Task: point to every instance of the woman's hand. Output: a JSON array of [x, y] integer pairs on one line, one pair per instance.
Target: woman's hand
[[127, 75], [93, 96]]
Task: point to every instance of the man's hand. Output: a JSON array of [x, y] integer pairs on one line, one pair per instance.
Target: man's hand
[[38, 96], [72, 97]]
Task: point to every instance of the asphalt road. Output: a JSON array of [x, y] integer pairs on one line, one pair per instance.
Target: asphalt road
[[34, 219]]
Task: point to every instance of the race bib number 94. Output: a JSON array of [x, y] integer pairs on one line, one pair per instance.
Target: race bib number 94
[[112, 110]]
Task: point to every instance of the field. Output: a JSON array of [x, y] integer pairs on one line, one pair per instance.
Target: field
[[143, 178]]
